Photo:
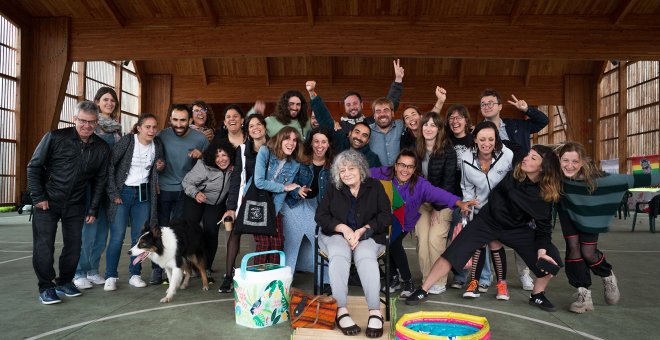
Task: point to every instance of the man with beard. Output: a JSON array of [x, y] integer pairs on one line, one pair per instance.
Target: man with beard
[[182, 147], [353, 101], [357, 137], [66, 163], [385, 131], [291, 110]]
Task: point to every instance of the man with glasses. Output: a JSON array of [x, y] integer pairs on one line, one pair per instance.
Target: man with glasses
[[65, 163], [515, 134], [514, 130]]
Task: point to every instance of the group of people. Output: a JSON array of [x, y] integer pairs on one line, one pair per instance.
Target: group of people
[[98, 182]]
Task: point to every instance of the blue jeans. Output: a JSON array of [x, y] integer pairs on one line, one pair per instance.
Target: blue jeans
[[94, 238], [138, 212]]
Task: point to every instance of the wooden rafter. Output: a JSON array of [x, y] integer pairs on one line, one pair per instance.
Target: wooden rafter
[[310, 12], [210, 13], [515, 12], [600, 71], [138, 66], [528, 73], [461, 72], [267, 70], [620, 12], [202, 69], [114, 12], [412, 11]]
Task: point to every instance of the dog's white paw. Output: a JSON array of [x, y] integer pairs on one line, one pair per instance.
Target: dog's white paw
[[166, 299], [205, 288]]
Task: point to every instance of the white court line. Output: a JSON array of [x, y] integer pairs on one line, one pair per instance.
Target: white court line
[[568, 329], [81, 324], [55, 331], [20, 258], [15, 251]]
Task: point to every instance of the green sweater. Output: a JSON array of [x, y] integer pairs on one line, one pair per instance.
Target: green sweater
[[593, 212], [273, 126]]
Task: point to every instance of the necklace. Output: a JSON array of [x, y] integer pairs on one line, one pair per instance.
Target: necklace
[[484, 165]]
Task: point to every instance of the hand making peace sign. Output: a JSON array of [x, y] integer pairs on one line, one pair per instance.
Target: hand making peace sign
[[519, 104]]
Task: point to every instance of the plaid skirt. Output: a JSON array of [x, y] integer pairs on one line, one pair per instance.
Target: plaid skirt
[[265, 243]]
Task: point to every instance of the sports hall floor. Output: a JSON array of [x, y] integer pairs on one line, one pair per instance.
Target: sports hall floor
[[137, 313]]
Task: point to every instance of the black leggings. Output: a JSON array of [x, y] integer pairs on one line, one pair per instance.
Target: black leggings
[[582, 254], [209, 215], [398, 258]]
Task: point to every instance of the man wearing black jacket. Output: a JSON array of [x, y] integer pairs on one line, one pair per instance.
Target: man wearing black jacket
[[65, 163]]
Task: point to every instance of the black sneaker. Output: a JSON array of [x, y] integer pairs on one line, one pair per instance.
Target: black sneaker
[[542, 302], [49, 297], [156, 276], [417, 297], [68, 289], [227, 285], [407, 290]]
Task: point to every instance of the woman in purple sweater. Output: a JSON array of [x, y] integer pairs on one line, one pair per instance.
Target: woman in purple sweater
[[415, 190]]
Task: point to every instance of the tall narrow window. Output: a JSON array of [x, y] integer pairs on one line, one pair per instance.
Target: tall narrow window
[[8, 99]]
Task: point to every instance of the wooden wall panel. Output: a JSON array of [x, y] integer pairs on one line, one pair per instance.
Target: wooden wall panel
[[44, 74], [580, 105], [157, 95]]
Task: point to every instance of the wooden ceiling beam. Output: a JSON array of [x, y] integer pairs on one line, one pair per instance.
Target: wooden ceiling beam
[[267, 71], [528, 73], [327, 39], [114, 13], [412, 11], [310, 12], [202, 69], [210, 13], [139, 70], [461, 72], [599, 72], [13, 11], [622, 10], [516, 9]]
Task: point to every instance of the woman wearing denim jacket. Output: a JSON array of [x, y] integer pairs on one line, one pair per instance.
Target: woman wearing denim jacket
[[300, 209], [274, 170]]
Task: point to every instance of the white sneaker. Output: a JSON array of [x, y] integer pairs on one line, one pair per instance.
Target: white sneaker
[[526, 280], [96, 279], [137, 282], [110, 284], [82, 283], [437, 289]]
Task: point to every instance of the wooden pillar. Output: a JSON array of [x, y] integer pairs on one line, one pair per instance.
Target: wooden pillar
[[157, 95], [580, 104], [45, 72], [622, 117]]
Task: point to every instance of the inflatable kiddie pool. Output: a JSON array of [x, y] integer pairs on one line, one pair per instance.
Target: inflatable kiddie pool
[[442, 325]]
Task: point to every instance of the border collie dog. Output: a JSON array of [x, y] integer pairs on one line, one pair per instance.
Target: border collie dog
[[177, 248]]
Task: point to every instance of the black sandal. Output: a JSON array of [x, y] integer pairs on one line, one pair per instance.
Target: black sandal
[[375, 332], [350, 330]]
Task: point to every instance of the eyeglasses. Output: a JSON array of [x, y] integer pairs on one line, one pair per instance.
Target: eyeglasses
[[86, 122], [385, 110], [456, 118], [489, 104], [198, 111], [405, 166]]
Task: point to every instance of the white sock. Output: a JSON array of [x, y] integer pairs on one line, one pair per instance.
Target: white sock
[[375, 323]]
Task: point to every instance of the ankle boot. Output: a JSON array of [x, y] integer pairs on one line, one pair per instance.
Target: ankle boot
[[583, 302], [612, 294]]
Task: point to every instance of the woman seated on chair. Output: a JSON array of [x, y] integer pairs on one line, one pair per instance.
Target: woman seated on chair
[[355, 227]]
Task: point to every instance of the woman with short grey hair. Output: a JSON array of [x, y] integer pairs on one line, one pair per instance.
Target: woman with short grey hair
[[355, 228]]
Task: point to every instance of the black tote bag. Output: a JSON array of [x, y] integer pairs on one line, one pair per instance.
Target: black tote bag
[[257, 212]]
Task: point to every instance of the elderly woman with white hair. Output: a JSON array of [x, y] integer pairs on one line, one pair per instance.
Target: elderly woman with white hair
[[355, 227]]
